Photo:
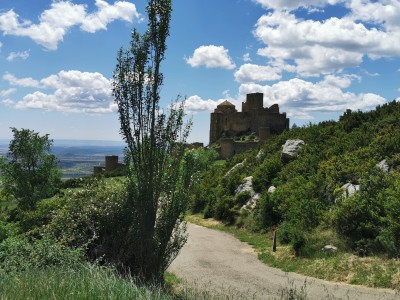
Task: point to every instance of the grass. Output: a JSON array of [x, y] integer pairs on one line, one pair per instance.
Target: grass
[[88, 282], [340, 267]]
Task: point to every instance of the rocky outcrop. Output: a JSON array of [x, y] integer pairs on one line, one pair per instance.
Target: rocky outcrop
[[329, 249], [247, 186], [384, 166], [260, 155], [349, 189], [291, 147], [237, 166]]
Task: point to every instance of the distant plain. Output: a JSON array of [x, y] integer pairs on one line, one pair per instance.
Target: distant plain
[[78, 157]]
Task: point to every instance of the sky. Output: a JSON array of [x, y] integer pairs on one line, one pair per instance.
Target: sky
[[314, 58]]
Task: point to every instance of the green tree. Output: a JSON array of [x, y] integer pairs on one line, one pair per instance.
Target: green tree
[[159, 176], [30, 171]]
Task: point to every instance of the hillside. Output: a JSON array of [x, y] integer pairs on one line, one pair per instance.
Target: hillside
[[330, 192]]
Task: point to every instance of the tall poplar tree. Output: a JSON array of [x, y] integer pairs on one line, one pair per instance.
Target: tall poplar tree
[[159, 172]]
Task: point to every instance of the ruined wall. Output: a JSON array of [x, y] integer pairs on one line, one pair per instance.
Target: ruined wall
[[228, 147]]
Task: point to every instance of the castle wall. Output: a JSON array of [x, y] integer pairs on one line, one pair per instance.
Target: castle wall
[[229, 147]]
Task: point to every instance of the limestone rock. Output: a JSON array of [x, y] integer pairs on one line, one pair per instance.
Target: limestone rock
[[251, 204], [383, 165], [237, 166], [329, 248], [271, 189], [260, 155], [291, 147], [349, 189], [246, 186]]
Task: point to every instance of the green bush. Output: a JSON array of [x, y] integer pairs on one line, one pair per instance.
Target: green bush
[[20, 253], [266, 173], [93, 217], [242, 198]]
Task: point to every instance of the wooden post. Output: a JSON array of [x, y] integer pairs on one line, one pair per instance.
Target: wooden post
[[274, 242]]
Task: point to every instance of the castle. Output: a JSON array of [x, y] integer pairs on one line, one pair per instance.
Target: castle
[[227, 123]]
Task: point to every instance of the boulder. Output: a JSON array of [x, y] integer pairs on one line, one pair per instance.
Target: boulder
[[291, 147], [271, 189], [260, 155], [349, 189]]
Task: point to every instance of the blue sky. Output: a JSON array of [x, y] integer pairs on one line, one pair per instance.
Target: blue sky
[[314, 58]]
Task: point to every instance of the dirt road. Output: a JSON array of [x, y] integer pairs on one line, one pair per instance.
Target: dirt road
[[219, 263]]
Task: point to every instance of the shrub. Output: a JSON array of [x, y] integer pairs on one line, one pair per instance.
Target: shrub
[[93, 217], [19, 254], [265, 174], [242, 198]]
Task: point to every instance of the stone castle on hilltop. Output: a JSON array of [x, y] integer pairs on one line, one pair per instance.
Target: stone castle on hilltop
[[254, 120]]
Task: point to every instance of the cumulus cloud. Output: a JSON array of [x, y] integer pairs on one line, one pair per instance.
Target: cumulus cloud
[[295, 4], [300, 98], [15, 55], [55, 22], [255, 73], [386, 13], [314, 47], [196, 104], [211, 57], [23, 82], [68, 91]]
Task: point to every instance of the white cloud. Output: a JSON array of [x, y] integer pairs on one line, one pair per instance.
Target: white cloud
[[14, 55], [8, 92], [195, 104], [322, 47], [246, 57], [294, 4], [253, 73], [23, 82], [55, 22], [386, 13], [301, 98], [69, 91], [212, 57], [107, 13], [8, 102]]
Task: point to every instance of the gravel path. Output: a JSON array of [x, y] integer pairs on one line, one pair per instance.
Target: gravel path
[[217, 262]]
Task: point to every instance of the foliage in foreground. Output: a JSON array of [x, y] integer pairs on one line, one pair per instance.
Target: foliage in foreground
[[159, 173], [85, 282]]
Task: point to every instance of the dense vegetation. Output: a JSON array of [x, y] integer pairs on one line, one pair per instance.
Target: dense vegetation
[[309, 207]]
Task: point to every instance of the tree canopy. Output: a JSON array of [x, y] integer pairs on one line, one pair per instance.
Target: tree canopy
[[30, 172]]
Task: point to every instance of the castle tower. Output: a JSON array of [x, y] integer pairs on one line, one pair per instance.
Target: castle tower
[[223, 109], [253, 101], [111, 162]]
